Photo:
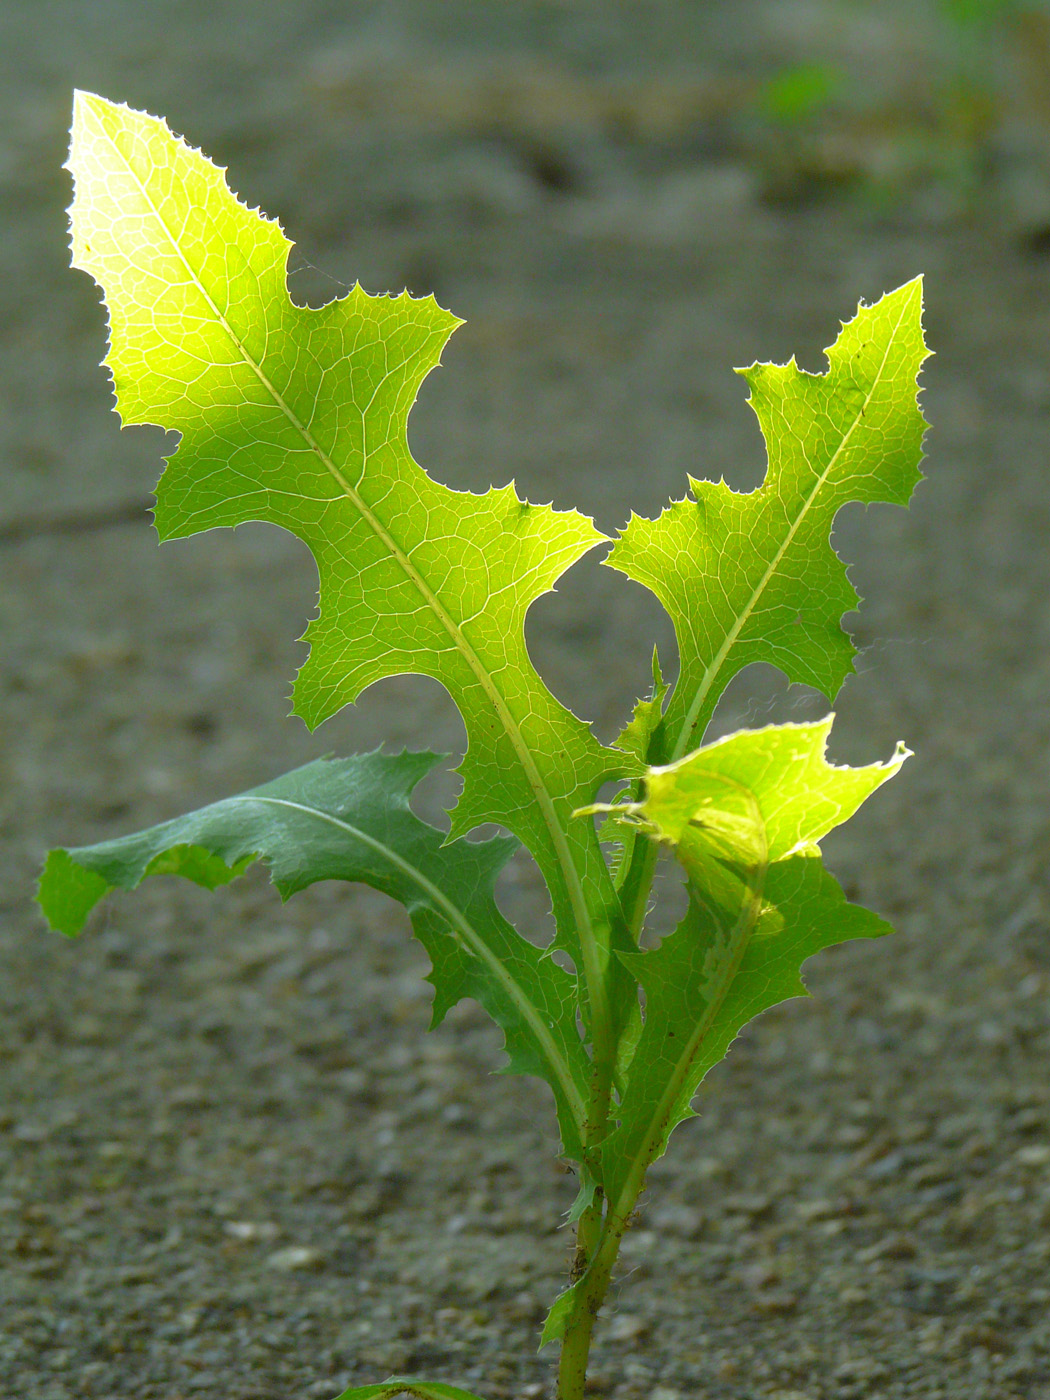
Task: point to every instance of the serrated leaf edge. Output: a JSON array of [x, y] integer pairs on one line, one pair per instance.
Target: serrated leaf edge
[[711, 673], [582, 913]]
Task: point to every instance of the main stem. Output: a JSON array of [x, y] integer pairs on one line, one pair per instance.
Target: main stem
[[595, 1261], [576, 1343], [600, 1230]]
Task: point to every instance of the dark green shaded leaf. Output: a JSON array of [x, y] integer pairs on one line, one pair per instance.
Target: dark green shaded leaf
[[350, 819]]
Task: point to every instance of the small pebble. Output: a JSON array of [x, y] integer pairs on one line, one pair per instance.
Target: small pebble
[[864, 1368], [30, 1132], [626, 1327], [889, 1247], [821, 1209], [639, 1242], [684, 1221], [251, 1229], [295, 1257], [774, 1301], [759, 1275], [745, 1203]]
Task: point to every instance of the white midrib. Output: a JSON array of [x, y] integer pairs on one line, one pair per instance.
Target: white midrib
[[710, 674], [470, 936], [533, 776]]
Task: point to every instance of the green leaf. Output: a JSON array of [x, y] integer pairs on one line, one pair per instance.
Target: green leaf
[[752, 576], [778, 776], [407, 1385], [644, 736], [744, 817], [642, 733], [557, 1318], [350, 819], [796, 94], [299, 416]]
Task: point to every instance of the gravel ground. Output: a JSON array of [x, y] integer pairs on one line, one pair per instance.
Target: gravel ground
[[232, 1164]]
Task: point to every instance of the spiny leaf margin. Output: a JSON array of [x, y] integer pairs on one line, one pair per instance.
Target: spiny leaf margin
[[298, 416], [749, 577]]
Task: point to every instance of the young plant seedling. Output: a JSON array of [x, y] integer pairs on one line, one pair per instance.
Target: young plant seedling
[[299, 417]]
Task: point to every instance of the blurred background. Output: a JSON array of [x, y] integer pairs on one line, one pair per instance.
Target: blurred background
[[229, 1163]]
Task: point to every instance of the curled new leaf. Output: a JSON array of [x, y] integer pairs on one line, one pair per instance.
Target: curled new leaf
[[743, 816]]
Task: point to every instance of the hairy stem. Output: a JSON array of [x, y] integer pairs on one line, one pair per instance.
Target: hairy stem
[[598, 1235], [638, 883], [576, 1344], [575, 1352]]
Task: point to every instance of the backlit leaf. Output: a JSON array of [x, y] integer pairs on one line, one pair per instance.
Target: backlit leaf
[[299, 416], [752, 576]]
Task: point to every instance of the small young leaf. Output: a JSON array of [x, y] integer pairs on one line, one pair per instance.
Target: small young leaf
[[744, 817], [407, 1385], [557, 1318], [644, 736], [753, 577], [350, 819], [642, 732], [299, 416], [799, 796]]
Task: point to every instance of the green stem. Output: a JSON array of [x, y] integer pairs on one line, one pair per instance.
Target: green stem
[[638, 884], [600, 1230], [601, 1256], [575, 1351], [599, 1234], [596, 1258], [576, 1344]]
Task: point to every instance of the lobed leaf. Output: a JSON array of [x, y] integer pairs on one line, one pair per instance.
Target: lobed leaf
[[752, 576], [744, 817], [350, 819], [298, 416]]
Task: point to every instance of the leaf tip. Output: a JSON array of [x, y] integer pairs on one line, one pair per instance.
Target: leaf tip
[[84, 102], [66, 892], [900, 755]]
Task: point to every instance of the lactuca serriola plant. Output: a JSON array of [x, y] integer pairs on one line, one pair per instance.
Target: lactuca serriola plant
[[298, 416]]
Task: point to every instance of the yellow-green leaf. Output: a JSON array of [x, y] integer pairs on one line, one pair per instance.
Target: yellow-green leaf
[[752, 576], [744, 817], [299, 416]]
